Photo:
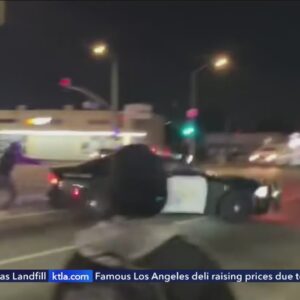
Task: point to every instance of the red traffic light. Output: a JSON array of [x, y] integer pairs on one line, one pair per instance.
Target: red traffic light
[[192, 113], [65, 82]]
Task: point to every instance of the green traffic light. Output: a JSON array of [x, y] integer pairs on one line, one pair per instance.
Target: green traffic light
[[188, 130]]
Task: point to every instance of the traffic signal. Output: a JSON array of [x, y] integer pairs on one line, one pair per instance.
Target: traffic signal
[[188, 130], [65, 82], [192, 113]]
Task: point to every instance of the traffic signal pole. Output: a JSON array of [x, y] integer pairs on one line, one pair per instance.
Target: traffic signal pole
[[192, 141], [189, 131], [66, 83], [192, 144], [193, 104], [114, 93]]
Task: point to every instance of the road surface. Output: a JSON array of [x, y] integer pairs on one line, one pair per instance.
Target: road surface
[[40, 240], [44, 240], [249, 245]]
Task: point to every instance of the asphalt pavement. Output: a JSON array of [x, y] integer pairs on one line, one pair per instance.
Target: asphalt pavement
[[40, 240], [32, 238]]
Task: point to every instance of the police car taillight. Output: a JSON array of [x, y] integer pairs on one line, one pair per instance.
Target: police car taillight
[[153, 150], [167, 152], [53, 179], [75, 192]]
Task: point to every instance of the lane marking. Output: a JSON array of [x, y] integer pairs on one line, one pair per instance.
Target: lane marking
[[36, 255], [27, 215]]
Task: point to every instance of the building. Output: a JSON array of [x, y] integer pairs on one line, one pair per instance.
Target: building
[[73, 135]]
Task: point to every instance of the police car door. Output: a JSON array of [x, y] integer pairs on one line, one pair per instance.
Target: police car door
[[186, 194]]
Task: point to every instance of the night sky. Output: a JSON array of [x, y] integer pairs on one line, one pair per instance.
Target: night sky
[[158, 44]]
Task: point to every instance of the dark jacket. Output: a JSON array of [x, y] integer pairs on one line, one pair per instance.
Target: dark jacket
[[135, 244], [13, 156], [7, 163]]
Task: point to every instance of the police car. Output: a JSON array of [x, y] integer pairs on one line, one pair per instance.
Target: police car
[[83, 187]]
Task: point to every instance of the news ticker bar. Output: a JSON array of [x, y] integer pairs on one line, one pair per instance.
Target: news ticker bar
[[89, 276]]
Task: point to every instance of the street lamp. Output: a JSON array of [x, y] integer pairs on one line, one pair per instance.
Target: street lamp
[[102, 50], [220, 62]]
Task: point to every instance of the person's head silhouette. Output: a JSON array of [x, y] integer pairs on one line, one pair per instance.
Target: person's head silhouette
[[138, 184]]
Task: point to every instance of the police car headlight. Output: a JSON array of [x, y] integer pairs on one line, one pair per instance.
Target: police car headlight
[[276, 193], [94, 155], [93, 203], [262, 192]]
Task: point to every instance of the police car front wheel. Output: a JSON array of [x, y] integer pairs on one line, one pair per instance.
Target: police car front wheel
[[235, 206]]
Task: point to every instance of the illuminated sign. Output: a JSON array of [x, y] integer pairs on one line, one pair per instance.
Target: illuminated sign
[[38, 121], [72, 133]]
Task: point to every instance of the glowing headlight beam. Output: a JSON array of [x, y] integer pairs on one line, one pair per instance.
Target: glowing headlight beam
[[253, 157], [189, 159], [276, 194], [293, 144], [271, 157]]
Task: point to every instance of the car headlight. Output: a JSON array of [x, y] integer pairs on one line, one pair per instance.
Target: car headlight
[[253, 157], [271, 157], [276, 193], [189, 159], [93, 203], [262, 191], [94, 155]]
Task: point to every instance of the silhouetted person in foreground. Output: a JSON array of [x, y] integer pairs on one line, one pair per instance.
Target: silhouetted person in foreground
[[135, 237]]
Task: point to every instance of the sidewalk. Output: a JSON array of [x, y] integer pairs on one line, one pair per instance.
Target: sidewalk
[[27, 204]]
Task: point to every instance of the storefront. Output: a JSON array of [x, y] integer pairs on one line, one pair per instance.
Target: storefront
[[71, 135]]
